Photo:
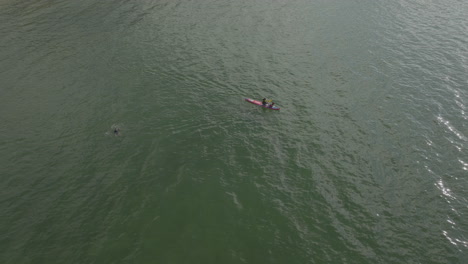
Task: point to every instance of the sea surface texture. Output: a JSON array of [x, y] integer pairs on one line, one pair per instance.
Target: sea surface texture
[[125, 137]]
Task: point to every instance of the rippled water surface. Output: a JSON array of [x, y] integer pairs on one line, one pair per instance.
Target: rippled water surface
[[124, 136]]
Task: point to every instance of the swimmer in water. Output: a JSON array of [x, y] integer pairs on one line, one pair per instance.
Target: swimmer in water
[[116, 131]]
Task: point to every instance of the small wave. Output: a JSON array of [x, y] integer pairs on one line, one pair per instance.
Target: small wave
[[445, 191], [452, 128]]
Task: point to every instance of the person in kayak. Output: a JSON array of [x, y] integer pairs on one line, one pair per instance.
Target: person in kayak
[[264, 102], [271, 105]]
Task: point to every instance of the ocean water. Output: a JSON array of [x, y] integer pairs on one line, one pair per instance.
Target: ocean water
[[366, 162]]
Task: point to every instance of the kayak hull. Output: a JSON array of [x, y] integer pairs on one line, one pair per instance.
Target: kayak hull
[[259, 103]]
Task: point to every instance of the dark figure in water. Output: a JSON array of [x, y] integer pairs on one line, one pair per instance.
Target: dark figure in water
[[116, 131]]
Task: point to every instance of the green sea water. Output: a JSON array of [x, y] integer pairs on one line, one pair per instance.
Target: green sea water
[[366, 162]]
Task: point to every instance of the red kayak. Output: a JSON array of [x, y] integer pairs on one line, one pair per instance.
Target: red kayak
[[252, 101]]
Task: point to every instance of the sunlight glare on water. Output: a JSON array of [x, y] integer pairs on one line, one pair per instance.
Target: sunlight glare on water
[[125, 136]]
